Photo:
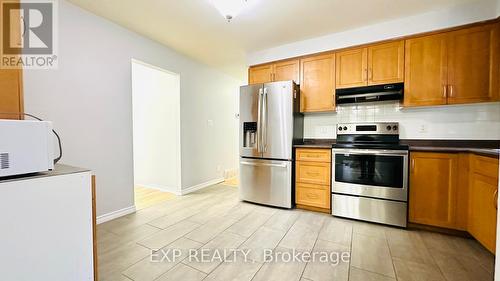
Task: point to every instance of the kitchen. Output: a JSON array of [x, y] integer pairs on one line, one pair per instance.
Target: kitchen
[[310, 144], [445, 184]]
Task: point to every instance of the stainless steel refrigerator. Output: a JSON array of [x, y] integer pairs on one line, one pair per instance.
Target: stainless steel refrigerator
[[270, 123]]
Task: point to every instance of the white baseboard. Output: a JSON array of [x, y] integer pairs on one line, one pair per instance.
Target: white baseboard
[[115, 214], [200, 186], [173, 190]]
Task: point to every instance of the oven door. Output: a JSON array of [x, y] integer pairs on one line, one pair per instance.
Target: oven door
[[371, 173]]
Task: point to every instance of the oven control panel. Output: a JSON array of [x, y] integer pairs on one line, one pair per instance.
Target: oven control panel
[[381, 128]]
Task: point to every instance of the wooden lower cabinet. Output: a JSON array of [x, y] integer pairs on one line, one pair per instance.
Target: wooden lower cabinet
[[312, 179], [456, 191], [433, 189], [483, 190]]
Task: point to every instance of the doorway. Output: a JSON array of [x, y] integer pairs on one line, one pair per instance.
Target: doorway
[[156, 134]]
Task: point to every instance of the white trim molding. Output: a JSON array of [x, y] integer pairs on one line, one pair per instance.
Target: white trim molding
[[115, 214], [201, 186]]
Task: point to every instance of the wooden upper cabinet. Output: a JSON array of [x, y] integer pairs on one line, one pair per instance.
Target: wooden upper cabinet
[[317, 83], [287, 70], [386, 63], [473, 64], [11, 98], [351, 68], [433, 189], [279, 71], [260, 74], [426, 71]]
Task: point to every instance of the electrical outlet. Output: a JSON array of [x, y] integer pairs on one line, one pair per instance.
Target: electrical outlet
[[423, 129]]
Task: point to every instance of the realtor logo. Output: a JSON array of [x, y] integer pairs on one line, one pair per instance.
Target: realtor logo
[[28, 34]]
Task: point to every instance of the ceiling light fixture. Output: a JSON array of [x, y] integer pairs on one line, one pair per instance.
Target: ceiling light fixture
[[229, 8]]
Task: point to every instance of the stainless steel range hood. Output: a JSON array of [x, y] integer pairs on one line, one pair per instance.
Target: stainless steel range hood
[[370, 93]]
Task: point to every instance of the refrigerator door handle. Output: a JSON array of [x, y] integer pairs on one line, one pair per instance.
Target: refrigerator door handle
[[259, 123], [264, 121], [263, 164]]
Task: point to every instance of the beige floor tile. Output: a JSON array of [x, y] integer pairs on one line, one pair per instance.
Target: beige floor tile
[[369, 229], [372, 254], [408, 245], [357, 274], [484, 257], [112, 263], [336, 269], [220, 247], [302, 235], [460, 267], [264, 238], [249, 224], [337, 231], [153, 266], [218, 210], [182, 272], [414, 271], [282, 220], [240, 210], [208, 231], [173, 218], [168, 235], [281, 269], [238, 269]]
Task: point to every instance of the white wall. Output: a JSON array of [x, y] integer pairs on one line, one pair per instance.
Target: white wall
[[156, 127], [89, 99], [439, 19], [476, 121]]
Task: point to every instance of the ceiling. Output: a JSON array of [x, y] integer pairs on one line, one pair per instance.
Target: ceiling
[[195, 28]]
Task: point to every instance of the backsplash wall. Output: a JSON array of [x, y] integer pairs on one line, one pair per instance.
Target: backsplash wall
[[476, 121]]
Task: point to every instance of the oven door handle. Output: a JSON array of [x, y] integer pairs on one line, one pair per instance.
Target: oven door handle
[[371, 152]]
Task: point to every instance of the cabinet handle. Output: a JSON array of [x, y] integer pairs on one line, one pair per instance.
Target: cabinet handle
[[495, 199], [451, 91], [333, 99], [313, 173], [445, 91], [412, 165]]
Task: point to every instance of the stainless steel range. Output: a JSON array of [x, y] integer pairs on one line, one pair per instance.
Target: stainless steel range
[[370, 173]]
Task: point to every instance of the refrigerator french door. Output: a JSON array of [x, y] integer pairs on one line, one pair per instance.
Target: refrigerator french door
[[269, 124]]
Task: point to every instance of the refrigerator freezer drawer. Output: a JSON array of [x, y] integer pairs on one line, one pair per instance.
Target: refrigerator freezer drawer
[[267, 182], [370, 209]]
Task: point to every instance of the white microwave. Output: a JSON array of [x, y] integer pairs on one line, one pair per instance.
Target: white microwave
[[26, 147]]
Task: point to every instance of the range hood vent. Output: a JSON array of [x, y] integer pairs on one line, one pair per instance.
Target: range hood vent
[[370, 93]]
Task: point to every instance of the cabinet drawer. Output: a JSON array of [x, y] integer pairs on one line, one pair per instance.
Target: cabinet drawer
[[486, 166], [314, 155], [313, 172], [312, 195]]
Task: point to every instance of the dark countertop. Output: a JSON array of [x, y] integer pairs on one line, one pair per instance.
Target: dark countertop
[[481, 147], [59, 170]]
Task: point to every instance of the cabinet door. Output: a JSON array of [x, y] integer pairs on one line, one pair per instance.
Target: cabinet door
[[287, 70], [260, 74], [473, 64], [425, 71], [317, 83], [433, 185], [386, 63], [483, 213], [351, 68], [10, 93]]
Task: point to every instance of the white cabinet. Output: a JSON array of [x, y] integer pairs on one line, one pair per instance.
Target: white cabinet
[[46, 227]]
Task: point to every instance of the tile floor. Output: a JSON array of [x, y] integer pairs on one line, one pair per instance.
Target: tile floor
[[211, 220]]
